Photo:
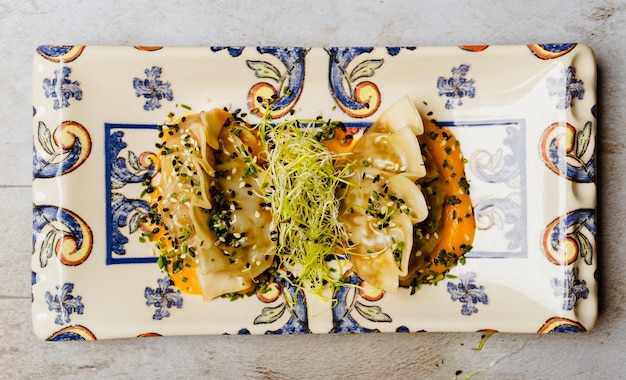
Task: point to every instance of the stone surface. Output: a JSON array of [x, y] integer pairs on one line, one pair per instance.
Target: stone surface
[[26, 24]]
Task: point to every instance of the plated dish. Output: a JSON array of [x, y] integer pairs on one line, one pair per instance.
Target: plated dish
[[474, 165]]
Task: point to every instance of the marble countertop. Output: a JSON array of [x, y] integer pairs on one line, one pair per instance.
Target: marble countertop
[[26, 24]]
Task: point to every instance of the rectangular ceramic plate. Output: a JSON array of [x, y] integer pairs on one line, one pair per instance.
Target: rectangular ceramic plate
[[525, 116]]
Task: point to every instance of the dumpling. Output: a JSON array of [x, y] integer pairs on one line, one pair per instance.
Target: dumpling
[[211, 208], [383, 203]]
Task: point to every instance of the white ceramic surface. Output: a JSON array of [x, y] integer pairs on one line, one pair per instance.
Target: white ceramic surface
[[525, 116]]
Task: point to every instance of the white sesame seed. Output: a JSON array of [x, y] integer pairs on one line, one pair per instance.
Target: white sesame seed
[[257, 214]]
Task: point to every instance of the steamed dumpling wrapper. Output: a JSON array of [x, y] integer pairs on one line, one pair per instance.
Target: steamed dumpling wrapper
[[384, 203], [211, 208]]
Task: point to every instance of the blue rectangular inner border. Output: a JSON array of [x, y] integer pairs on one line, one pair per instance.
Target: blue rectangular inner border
[[110, 260], [523, 220], [108, 127]]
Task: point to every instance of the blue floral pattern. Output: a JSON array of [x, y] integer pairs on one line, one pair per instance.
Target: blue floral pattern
[[164, 297], [64, 303], [468, 293], [456, 87], [61, 88], [153, 88], [566, 88], [570, 288]]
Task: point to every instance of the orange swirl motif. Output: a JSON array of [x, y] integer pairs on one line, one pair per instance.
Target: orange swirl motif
[[560, 324], [357, 97], [62, 151], [66, 235], [473, 48], [60, 53], [148, 48], [76, 332], [287, 85], [551, 51]]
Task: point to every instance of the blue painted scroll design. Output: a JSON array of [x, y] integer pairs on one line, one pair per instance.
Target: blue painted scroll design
[[60, 152], [568, 152], [347, 301], [62, 233], [127, 212], [357, 97], [293, 301], [286, 85], [570, 236]]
